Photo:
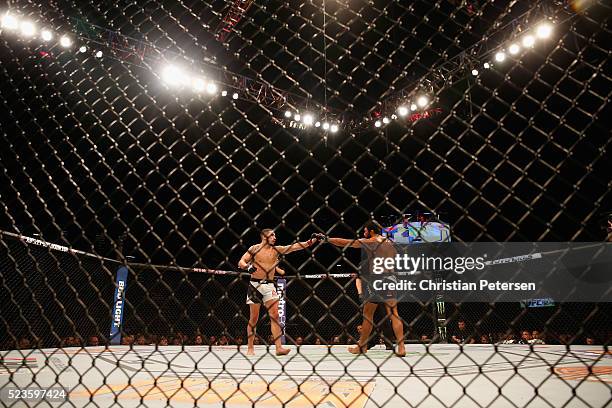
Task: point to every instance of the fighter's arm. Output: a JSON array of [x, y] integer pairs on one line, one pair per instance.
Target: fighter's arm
[[343, 242], [285, 249], [247, 258]]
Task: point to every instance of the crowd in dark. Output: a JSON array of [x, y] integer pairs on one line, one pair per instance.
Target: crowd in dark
[[457, 333]]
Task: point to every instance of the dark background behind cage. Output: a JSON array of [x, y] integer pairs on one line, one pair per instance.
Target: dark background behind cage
[[96, 146]]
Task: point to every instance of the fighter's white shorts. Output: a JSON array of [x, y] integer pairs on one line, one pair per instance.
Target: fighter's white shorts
[[261, 293]]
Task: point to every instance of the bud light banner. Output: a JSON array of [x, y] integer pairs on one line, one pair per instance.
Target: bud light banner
[[118, 303]]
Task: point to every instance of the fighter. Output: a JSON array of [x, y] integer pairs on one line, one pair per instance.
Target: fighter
[[375, 245], [262, 260]]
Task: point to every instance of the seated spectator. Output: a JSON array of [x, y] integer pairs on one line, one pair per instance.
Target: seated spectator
[[565, 339], [163, 341], [425, 339], [484, 339], [177, 341], [336, 340], [141, 340], [213, 341], [509, 339], [318, 341], [93, 341], [224, 341], [24, 343], [239, 341], [198, 340], [299, 341], [525, 337], [536, 338], [590, 340], [462, 335]]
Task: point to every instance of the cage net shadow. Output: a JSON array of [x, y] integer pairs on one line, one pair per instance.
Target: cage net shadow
[[104, 166]]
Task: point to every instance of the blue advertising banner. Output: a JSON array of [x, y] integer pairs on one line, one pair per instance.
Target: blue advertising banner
[[118, 303]]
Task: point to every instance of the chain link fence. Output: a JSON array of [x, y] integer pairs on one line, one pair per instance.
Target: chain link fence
[[104, 166]]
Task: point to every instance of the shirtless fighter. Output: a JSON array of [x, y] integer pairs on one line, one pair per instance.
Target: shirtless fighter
[[262, 261], [375, 245]]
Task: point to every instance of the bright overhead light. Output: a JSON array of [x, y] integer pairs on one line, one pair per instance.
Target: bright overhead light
[[211, 88], [413, 107], [234, 95], [297, 117], [325, 125], [224, 93], [528, 41], [317, 124], [377, 123], [98, 54], [386, 120], [199, 85], [333, 128], [65, 41], [500, 57], [27, 28], [9, 22], [174, 76], [422, 101], [475, 72], [46, 35], [82, 49], [287, 114], [308, 119], [486, 65], [544, 30], [514, 49], [402, 110]]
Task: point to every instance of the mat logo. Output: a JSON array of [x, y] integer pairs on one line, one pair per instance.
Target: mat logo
[[119, 303]]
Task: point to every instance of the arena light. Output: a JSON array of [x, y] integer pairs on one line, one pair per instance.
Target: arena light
[[297, 117], [308, 119], [500, 56], [386, 120], [65, 41], [514, 49], [413, 107], [528, 41], [377, 123], [544, 30], [235, 95], [486, 65], [9, 22], [211, 88], [325, 125], [27, 29], [199, 85], [287, 114], [83, 49], [475, 72], [174, 76], [333, 128], [224, 93], [317, 124], [46, 35], [98, 54], [402, 111], [422, 101]]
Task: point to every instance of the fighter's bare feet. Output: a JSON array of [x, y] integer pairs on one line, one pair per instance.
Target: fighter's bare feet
[[282, 351], [358, 349], [250, 352]]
